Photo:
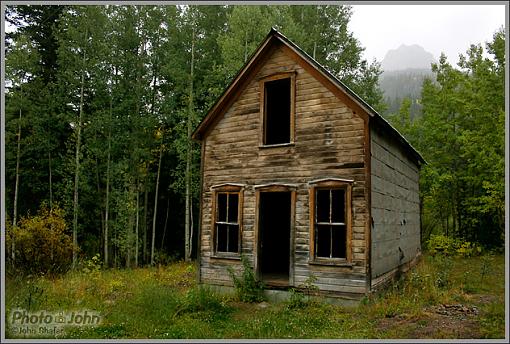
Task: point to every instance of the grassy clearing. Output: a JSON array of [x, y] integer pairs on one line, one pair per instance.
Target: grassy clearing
[[165, 302]]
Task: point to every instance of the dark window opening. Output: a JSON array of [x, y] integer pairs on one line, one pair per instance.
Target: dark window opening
[[330, 223], [277, 111], [227, 224]]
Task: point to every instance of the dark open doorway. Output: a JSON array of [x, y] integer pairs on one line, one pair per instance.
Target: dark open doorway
[[274, 237]]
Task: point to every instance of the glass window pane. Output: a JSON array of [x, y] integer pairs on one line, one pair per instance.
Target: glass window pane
[[221, 238], [323, 240], [233, 207], [222, 207], [339, 242], [338, 205], [233, 238], [322, 205]]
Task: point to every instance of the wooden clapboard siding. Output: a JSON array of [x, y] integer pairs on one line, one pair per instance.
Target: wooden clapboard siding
[[394, 198], [329, 141]]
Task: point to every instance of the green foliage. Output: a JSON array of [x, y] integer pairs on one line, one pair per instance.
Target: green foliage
[[449, 246], [442, 276], [441, 244], [461, 136], [41, 243], [151, 303], [92, 265], [248, 288], [201, 301]]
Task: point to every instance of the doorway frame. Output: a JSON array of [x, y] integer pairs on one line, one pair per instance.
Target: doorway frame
[[276, 188]]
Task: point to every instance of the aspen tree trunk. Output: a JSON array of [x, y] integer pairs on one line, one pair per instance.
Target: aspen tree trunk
[[16, 187], [156, 205], [166, 223], [188, 229], [245, 46], [145, 208], [107, 201], [50, 180], [130, 230], [153, 106], [315, 35], [137, 219], [18, 157], [77, 165]]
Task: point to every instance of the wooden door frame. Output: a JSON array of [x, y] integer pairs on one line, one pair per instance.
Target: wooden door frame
[[276, 188]]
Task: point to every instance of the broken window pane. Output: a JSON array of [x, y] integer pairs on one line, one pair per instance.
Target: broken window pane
[[233, 238], [222, 207], [338, 206], [221, 238], [323, 241], [338, 249], [277, 107], [322, 205], [233, 200]]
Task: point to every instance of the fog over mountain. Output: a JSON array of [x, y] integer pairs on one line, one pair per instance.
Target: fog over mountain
[[404, 70], [407, 57]]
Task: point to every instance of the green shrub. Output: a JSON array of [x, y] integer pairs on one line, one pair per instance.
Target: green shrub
[[41, 244], [443, 278], [93, 265], [441, 244], [248, 288], [447, 246], [468, 249]]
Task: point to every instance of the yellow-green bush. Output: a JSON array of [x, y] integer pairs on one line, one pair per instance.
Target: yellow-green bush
[[40, 243], [440, 244]]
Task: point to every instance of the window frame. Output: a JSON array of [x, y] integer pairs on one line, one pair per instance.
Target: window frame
[[346, 185], [226, 189], [263, 107]]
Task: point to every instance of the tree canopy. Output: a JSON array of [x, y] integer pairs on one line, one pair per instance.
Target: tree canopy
[[101, 101]]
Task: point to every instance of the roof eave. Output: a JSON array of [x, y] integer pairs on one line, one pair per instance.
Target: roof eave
[[209, 117]]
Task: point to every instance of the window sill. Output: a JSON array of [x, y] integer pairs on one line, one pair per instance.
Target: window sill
[[332, 262], [230, 256], [276, 145]]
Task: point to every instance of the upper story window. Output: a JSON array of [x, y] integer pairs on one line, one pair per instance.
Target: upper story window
[[277, 108]]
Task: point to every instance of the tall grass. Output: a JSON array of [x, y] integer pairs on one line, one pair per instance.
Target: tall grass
[[165, 302]]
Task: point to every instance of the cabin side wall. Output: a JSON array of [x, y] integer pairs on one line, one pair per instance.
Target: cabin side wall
[[395, 203], [329, 142]]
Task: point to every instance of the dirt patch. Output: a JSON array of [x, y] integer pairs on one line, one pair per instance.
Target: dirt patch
[[442, 321]]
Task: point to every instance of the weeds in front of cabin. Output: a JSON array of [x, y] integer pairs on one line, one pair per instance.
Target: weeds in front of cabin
[[165, 302], [248, 287]]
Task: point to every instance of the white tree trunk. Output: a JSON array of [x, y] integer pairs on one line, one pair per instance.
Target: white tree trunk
[[77, 166], [187, 224], [156, 205]]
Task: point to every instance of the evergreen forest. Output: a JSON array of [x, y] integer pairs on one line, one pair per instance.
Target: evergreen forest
[[101, 102]]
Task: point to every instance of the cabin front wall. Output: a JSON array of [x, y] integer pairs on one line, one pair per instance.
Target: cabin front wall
[[395, 203], [329, 142]]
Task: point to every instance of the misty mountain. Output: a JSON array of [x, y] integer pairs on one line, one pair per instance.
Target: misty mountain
[[407, 57], [404, 70]]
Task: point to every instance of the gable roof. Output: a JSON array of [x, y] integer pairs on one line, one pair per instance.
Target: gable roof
[[273, 39]]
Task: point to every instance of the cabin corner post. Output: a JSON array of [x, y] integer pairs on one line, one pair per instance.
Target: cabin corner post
[[368, 199]]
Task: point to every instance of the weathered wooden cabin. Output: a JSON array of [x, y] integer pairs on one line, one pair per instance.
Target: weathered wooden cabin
[[305, 179]]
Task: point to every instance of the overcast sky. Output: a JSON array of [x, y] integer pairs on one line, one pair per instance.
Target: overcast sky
[[437, 28]]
